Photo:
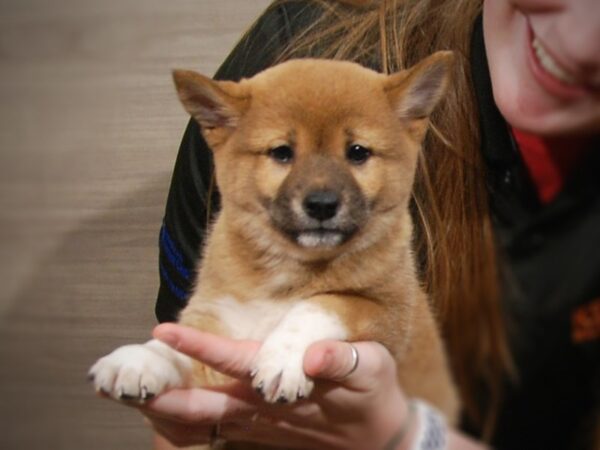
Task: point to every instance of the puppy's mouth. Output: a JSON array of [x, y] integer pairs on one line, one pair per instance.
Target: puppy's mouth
[[319, 237]]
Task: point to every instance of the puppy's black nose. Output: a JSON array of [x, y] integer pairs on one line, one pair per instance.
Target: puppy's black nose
[[321, 205]]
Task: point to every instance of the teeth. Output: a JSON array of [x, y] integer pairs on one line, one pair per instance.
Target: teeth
[[550, 65], [313, 239]]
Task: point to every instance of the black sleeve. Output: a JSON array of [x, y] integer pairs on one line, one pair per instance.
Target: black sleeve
[[191, 198]]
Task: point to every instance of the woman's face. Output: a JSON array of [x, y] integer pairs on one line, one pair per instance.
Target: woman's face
[[544, 58]]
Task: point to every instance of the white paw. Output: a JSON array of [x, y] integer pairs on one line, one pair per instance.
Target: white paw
[[140, 372], [278, 373]]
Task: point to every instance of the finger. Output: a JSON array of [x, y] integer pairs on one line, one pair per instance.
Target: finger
[[179, 434], [279, 433], [228, 356], [334, 361], [198, 406]]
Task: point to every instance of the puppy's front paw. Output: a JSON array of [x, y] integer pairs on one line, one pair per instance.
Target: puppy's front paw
[[139, 372], [278, 373]]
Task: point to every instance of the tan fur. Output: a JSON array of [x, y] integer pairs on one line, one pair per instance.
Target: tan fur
[[369, 281]]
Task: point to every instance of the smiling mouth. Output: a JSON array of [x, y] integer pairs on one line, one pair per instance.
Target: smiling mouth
[[551, 74], [549, 64], [553, 77]]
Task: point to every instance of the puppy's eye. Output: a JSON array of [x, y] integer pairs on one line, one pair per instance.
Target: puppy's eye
[[282, 154], [357, 154]]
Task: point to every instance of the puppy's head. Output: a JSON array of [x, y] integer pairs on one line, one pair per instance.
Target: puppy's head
[[315, 156]]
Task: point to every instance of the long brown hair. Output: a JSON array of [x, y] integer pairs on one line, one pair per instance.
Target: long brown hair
[[454, 240]]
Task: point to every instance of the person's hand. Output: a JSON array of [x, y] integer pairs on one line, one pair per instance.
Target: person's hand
[[348, 409]]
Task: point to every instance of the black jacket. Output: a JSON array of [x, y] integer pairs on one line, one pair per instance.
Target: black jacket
[[551, 253]]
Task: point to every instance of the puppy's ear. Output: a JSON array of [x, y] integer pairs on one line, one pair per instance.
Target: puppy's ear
[[414, 93], [214, 104]]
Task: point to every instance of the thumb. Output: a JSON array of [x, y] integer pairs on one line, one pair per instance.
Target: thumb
[[335, 361], [229, 356]]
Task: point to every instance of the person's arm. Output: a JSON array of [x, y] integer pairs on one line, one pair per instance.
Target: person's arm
[[364, 410]]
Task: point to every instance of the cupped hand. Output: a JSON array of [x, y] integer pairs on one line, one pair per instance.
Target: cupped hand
[[358, 410]]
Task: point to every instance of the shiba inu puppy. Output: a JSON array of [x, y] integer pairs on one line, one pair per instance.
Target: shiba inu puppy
[[315, 161]]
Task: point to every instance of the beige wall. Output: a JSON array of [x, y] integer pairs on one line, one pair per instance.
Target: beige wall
[[89, 129]]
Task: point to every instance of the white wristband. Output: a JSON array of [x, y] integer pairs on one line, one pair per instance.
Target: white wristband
[[432, 432]]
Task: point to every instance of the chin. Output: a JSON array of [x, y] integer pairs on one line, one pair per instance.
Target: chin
[[541, 116], [528, 106]]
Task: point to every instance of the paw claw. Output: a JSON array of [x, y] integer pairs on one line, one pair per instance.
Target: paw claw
[[146, 394], [126, 397]]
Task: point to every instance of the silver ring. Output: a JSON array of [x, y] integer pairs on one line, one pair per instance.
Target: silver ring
[[355, 360]]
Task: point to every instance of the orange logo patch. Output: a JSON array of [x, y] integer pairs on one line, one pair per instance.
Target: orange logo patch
[[585, 322]]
